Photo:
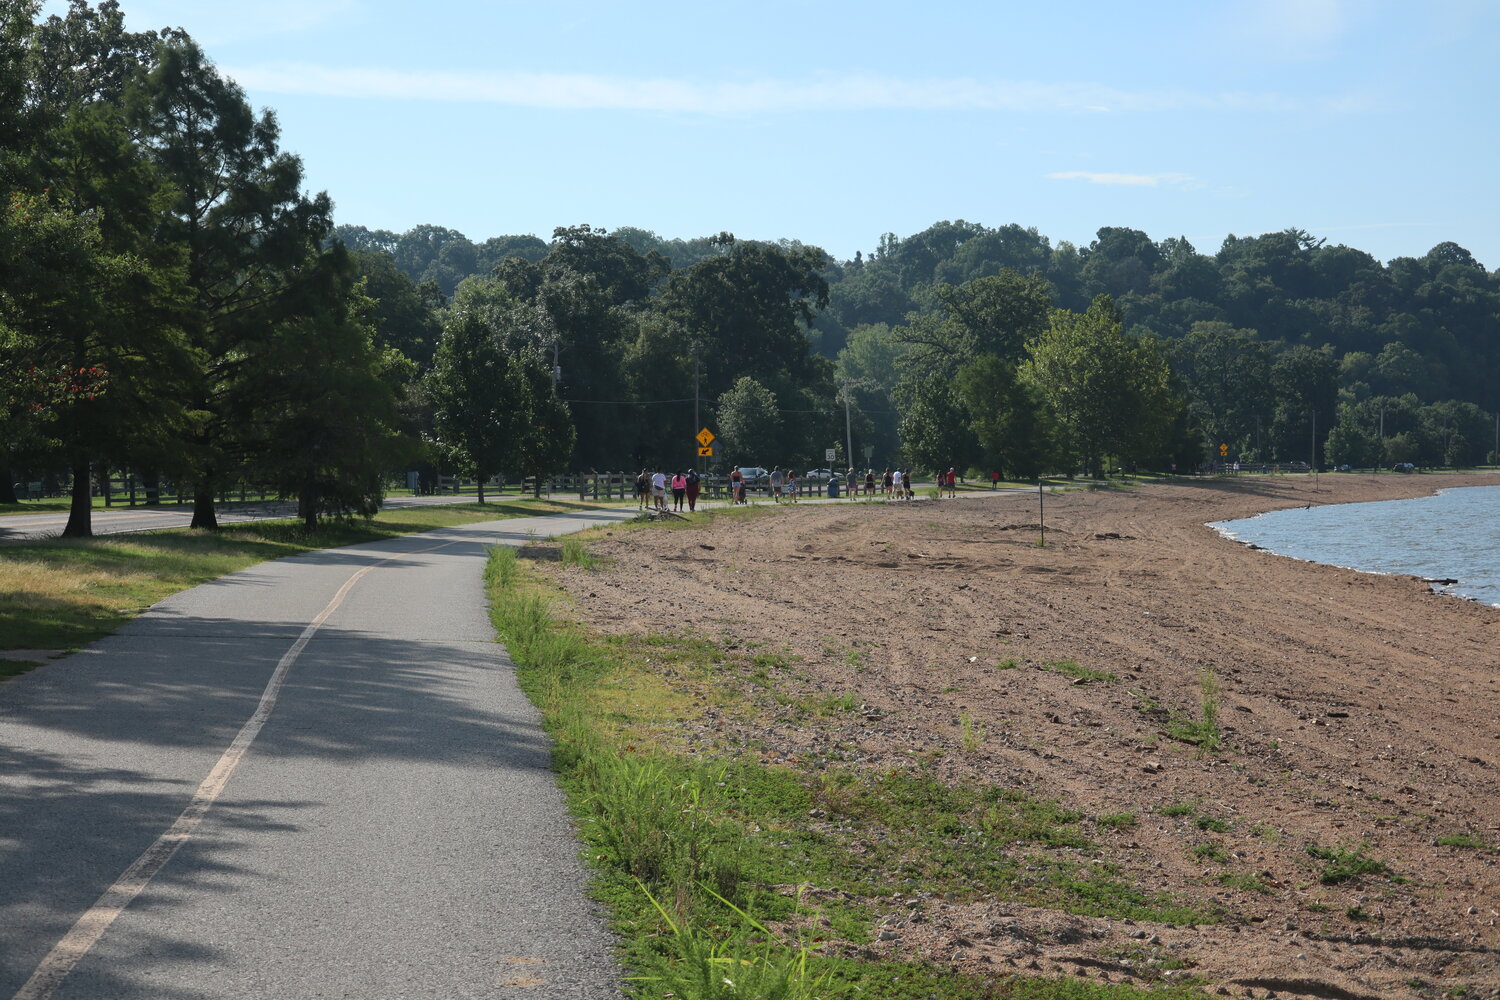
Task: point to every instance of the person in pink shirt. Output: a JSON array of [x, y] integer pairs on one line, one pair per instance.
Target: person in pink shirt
[[679, 490]]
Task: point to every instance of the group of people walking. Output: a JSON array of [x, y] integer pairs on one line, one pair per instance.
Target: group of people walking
[[651, 489], [893, 484]]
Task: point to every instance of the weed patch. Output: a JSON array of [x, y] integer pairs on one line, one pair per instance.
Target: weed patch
[[1211, 852], [1116, 821], [1202, 731], [1342, 864], [1244, 882], [575, 553], [1085, 675], [1464, 840], [972, 734]]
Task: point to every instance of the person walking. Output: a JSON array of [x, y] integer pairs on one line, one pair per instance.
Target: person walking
[[679, 490], [791, 486], [736, 485], [659, 489], [897, 488], [694, 485], [887, 481], [951, 481], [642, 488], [777, 481], [869, 482]]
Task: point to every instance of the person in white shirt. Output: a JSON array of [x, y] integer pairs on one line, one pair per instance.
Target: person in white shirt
[[776, 480], [898, 490], [659, 489]]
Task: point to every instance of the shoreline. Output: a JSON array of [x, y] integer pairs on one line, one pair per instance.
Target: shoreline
[[1439, 585]]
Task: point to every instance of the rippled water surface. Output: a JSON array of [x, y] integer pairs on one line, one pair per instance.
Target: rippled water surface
[[1453, 535]]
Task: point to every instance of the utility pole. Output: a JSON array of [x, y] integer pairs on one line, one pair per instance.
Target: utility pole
[[848, 431], [1315, 440], [696, 424]]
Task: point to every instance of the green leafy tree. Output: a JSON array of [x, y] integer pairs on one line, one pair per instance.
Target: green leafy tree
[[935, 424], [471, 386], [578, 307], [867, 370], [1227, 374], [1305, 381], [1109, 393], [405, 312], [250, 240], [83, 322], [749, 421], [995, 315], [319, 419], [546, 434], [750, 310], [1354, 445], [1008, 418]]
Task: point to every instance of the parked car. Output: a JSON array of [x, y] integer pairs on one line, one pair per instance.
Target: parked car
[[821, 474], [755, 475], [1403, 467]]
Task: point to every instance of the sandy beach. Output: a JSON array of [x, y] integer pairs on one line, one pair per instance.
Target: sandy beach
[[1358, 712]]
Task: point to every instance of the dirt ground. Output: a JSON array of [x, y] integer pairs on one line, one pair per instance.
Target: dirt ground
[[1359, 711]]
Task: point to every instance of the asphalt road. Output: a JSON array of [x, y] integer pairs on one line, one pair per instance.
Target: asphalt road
[[389, 828], [117, 520]]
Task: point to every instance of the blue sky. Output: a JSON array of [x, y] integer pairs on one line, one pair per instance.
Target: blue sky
[[1371, 123]]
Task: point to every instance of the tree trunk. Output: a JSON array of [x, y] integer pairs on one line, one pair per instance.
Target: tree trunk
[[203, 507], [480, 481], [152, 482], [7, 488], [307, 507], [81, 513]]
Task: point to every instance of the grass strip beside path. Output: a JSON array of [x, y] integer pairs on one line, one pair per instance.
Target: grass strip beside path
[[725, 877], [59, 594]]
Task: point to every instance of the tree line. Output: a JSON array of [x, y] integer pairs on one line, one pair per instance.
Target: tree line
[[991, 348], [172, 302]]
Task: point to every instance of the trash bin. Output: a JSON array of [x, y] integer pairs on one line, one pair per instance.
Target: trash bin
[[833, 489]]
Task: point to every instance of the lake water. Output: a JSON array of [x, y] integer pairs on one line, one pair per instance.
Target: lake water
[[1452, 535]]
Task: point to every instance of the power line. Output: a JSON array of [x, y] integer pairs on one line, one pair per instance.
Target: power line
[[631, 402]]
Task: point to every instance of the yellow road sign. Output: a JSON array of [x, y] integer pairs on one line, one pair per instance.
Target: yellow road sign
[[705, 437], [706, 452], [1223, 450]]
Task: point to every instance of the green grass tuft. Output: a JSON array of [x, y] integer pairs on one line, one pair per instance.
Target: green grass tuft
[[1345, 864], [1087, 675]]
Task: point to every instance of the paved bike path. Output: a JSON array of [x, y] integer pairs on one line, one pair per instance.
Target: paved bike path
[[394, 829]]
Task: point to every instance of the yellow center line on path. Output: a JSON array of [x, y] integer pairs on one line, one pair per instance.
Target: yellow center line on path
[[90, 927]]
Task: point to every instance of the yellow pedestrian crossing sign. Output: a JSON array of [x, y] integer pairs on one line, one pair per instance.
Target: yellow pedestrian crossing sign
[[1223, 450], [705, 437]]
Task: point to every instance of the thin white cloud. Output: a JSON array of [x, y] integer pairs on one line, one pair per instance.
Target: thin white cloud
[[1186, 182], [581, 91]]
